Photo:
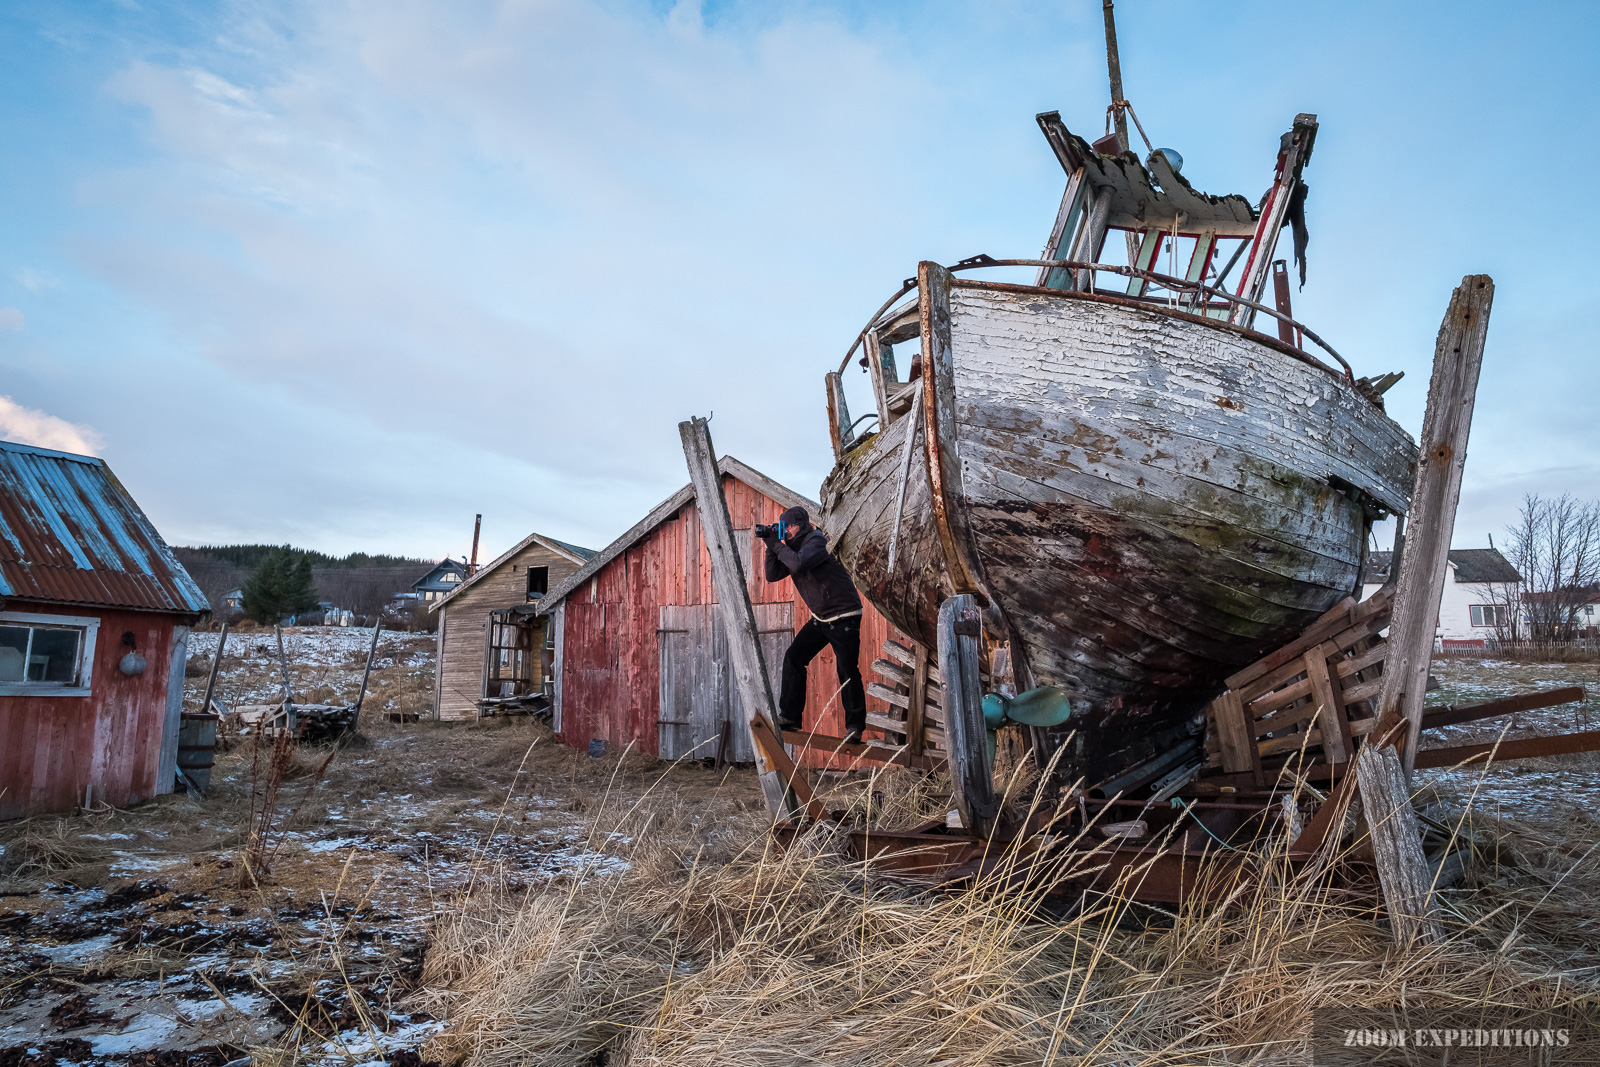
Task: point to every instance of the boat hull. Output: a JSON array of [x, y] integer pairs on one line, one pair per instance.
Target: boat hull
[[1147, 500]]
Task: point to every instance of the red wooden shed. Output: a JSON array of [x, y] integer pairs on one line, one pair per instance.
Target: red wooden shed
[[640, 654], [94, 628]]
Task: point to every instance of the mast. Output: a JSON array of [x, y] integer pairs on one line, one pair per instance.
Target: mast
[[1119, 112], [1119, 108]]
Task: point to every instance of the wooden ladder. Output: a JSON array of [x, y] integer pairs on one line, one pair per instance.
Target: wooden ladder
[[913, 689]]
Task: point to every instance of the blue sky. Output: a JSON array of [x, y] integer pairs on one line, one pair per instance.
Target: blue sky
[[343, 274]]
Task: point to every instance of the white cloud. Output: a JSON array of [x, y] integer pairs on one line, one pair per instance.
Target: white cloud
[[12, 319], [31, 427], [35, 280]]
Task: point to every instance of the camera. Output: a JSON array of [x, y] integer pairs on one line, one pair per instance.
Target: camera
[[775, 530]]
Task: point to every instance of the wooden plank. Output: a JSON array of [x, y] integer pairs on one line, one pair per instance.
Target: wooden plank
[[916, 714], [883, 722], [767, 744], [1235, 741], [372, 650], [216, 663], [1344, 638], [888, 695], [898, 674], [738, 616], [1525, 748], [1396, 834], [970, 778], [815, 742], [1457, 360], [1327, 624], [896, 650], [1452, 716], [1329, 811], [1330, 703]]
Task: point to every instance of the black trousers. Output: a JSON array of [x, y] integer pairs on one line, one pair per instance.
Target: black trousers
[[845, 637]]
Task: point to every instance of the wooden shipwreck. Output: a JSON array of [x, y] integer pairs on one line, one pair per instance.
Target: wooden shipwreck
[[1143, 490]]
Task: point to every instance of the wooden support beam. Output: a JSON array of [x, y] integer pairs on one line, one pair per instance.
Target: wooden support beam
[[1496, 752], [216, 662], [1381, 772], [960, 630], [1453, 716], [733, 598], [372, 650], [767, 743], [1457, 359], [916, 714], [869, 750], [288, 690]]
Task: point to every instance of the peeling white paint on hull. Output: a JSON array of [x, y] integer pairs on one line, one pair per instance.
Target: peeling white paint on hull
[[1150, 500]]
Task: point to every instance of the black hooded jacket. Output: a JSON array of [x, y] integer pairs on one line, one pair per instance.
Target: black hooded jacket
[[819, 577]]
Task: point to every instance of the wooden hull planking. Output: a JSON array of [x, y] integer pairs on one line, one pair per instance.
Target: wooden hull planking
[[1148, 500]]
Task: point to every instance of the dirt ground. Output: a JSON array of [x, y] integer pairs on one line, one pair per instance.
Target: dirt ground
[[136, 937], [131, 937]]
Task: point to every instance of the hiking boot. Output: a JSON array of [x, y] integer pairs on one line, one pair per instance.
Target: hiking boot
[[852, 736], [792, 725]]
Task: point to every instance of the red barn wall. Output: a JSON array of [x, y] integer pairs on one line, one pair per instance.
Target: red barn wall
[[52, 747], [610, 656]]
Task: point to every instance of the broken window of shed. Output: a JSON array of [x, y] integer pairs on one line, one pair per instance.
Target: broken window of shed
[[538, 582]]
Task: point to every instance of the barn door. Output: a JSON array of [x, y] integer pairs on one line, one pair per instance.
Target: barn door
[[775, 629], [687, 715], [697, 691]]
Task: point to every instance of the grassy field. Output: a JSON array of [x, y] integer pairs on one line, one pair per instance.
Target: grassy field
[[478, 894]]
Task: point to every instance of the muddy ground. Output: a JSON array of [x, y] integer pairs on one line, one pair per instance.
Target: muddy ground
[[135, 937], [131, 937]]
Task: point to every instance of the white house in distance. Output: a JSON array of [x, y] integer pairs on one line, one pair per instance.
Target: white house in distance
[[1480, 584]]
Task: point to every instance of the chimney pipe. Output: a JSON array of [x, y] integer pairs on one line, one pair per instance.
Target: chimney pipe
[[472, 566]]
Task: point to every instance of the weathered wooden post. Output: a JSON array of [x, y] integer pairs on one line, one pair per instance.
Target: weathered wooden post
[[290, 716], [372, 650], [216, 662], [778, 775], [1380, 771], [960, 629]]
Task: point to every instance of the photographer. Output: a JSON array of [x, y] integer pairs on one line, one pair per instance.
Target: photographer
[[798, 550]]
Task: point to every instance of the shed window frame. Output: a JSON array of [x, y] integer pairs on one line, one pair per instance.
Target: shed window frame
[[87, 629]]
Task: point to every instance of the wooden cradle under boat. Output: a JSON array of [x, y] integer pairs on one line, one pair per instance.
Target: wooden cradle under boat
[[1146, 494]]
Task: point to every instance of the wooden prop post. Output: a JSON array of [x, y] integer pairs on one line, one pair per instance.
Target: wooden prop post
[[288, 690], [1457, 359], [960, 629], [1385, 792], [366, 673], [216, 662], [738, 616]]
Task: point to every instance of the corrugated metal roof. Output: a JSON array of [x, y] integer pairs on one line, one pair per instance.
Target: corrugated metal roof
[[69, 532]]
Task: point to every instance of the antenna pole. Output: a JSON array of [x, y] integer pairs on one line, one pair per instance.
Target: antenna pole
[[1119, 110], [477, 524]]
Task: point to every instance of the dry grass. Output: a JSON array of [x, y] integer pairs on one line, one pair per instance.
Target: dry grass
[[45, 846], [807, 957]]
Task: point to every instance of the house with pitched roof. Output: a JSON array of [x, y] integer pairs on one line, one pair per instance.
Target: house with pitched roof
[[1481, 593], [493, 649]]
